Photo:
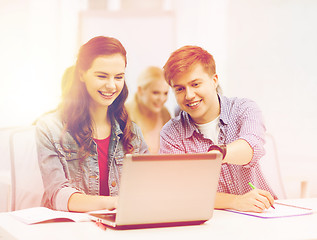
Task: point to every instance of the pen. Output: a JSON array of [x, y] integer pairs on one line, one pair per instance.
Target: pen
[[253, 187]]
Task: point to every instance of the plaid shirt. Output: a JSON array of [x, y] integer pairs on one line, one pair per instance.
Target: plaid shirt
[[239, 119]]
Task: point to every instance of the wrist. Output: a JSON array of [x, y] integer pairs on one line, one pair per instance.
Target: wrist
[[221, 148], [109, 202]]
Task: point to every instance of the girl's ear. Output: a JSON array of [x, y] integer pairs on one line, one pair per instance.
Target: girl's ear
[[81, 76], [140, 90]]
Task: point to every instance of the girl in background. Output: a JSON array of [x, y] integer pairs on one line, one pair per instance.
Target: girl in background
[[147, 108], [81, 146]]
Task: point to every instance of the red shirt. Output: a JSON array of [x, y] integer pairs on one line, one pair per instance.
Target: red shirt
[[102, 149]]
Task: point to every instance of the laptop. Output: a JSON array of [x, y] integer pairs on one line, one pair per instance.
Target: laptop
[[165, 190]]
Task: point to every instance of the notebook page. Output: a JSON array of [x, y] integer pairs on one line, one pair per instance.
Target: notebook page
[[281, 210], [42, 214]]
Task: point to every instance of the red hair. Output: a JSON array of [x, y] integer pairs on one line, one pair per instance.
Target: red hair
[[183, 59]]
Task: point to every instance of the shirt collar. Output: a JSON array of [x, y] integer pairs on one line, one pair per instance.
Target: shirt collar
[[116, 129], [224, 110], [189, 125]]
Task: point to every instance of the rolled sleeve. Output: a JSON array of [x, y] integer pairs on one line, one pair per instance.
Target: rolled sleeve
[[252, 130], [62, 198]]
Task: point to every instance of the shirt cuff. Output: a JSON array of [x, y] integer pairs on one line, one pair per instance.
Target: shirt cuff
[[62, 198], [258, 150]]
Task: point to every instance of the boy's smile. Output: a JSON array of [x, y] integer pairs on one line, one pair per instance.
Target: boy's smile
[[196, 93]]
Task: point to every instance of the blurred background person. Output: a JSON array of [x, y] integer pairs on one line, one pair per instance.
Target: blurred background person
[[147, 108]]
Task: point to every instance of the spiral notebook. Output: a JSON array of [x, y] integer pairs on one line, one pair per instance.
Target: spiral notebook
[[281, 210]]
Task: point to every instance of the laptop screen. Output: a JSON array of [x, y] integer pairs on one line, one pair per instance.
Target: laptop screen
[[160, 188]]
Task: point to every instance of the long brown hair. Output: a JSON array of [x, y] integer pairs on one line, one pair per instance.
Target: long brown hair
[[75, 102]]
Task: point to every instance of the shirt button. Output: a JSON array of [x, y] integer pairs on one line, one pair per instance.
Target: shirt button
[[113, 184]]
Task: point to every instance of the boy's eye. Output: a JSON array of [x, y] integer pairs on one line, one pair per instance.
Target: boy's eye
[[178, 89], [119, 77], [101, 76]]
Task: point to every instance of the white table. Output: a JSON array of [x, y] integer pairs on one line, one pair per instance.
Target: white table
[[223, 225]]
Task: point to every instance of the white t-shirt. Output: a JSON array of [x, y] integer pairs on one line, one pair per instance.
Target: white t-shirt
[[210, 130]]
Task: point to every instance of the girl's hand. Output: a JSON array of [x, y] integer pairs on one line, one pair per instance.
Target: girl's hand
[[111, 203]]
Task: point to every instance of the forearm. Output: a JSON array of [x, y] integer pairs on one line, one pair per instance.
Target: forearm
[[80, 202], [224, 201], [239, 152]]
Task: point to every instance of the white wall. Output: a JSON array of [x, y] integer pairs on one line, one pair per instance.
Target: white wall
[[204, 23], [272, 59], [38, 41]]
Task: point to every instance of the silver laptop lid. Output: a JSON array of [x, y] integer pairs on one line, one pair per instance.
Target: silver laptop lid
[[168, 188]]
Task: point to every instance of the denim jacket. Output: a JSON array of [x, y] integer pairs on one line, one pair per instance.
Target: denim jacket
[[64, 174]]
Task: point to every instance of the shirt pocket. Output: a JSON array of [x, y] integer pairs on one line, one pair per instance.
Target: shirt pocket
[[118, 165], [71, 164], [119, 157]]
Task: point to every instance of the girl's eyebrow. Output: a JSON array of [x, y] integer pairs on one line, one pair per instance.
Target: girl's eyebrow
[[98, 72]]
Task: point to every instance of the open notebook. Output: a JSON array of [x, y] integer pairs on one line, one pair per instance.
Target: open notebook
[[281, 210]]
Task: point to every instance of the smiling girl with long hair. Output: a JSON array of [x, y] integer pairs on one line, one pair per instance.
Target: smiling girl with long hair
[[81, 145]]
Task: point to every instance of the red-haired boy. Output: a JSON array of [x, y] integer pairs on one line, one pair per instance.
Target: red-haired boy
[[209, 120]]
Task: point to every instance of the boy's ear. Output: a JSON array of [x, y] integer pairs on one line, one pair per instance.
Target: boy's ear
[[215, 80]]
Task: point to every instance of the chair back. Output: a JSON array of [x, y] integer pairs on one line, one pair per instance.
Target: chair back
[[26, 179], [5, 170], [270, 167]]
